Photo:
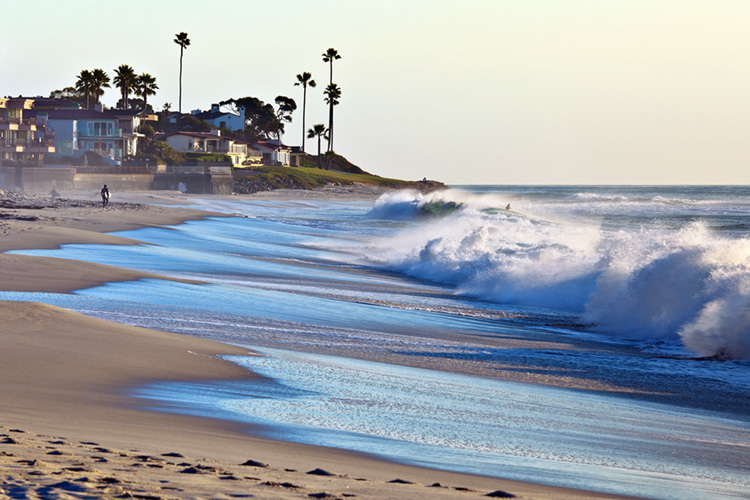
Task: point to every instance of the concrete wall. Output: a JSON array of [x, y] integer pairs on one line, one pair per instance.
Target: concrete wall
[[43, 180], [37, 179], [194, 183], [115, 182]]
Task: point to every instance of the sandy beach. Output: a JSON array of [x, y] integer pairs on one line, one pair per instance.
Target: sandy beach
[[68, 428]]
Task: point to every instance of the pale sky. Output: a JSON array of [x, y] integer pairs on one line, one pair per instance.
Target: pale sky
[[469, 92]]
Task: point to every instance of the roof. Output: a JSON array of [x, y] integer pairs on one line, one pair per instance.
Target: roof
[[52, 103], [78, 114], [198, 135], [270, 145], [125, 112], [212, 115]]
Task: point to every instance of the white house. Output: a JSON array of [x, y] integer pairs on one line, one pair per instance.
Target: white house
[[222, 119], [274, 153], [198, 142]]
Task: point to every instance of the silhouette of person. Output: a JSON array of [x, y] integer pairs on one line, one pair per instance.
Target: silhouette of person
[[105, 196]]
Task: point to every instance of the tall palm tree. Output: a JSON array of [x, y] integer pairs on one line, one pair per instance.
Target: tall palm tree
[[317, 130], [144, 87], [85, 84], [329, 56], [183, 41], [125, 79], [305, 79], [333, 94], [100, 81]]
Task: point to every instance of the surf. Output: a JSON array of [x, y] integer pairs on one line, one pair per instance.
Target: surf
[[639, 282]]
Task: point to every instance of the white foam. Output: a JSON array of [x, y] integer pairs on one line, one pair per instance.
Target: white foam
[[642, 283]]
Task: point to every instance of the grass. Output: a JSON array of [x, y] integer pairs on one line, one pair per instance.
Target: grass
[[313, 178]]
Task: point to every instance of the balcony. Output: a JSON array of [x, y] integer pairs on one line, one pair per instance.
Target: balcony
[[27, 146], [86, 134]]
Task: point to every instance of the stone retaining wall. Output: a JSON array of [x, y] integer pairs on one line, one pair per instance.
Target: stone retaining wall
[[44, 179]]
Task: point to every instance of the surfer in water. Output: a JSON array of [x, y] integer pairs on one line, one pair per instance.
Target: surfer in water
[[105, 196]]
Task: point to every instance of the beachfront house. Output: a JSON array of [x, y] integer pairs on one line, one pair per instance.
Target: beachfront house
[[23, 139], [274, 153], [211, 143], [130, 122], [80, 130], [222, 119]]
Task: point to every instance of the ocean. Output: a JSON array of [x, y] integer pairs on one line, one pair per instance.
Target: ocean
[[593, 337]]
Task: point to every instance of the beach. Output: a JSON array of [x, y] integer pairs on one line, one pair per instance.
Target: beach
[[69, 426]]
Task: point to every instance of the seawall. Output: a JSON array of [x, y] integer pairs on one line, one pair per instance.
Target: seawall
[[198, 180]]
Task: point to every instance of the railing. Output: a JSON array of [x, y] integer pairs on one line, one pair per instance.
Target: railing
[[85, 134], [27, 143]]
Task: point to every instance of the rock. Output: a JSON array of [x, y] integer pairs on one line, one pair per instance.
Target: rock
[[500, 494], [320, 472], [253, 463]]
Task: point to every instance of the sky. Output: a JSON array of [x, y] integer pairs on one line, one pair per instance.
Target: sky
[[469, 92]]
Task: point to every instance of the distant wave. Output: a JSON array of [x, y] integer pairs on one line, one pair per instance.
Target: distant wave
[[688, 284]]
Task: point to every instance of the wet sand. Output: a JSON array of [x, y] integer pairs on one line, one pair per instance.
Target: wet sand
[[68, 428]]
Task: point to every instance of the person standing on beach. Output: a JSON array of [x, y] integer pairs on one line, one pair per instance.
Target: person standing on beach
[[105, 196]]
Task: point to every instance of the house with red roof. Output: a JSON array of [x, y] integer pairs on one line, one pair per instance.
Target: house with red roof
[[211, 143]]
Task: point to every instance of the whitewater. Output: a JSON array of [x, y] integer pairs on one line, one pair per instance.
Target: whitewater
[[593, 337]]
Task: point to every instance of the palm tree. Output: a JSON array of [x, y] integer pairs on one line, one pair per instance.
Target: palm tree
[[305, 79], [333, 94], [145, 86], [85, 84], [183, 41], [317, 130], [125, 79], [329, 56], [100, 80]]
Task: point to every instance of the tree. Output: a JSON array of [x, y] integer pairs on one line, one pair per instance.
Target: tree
[[69, 94], [285, 106], [144, 87], [333, 94], [183, 41], [101, 81], [305, 79], [125, 80], [329, 56], [317, 130], [85, 84], [261, 121]]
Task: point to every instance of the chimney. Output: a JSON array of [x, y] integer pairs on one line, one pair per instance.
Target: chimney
[[214, 108]]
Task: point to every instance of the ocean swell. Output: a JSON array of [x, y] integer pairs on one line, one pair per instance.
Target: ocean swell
[[688, 284]]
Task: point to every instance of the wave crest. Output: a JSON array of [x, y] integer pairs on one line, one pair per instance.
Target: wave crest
[[688, 284]]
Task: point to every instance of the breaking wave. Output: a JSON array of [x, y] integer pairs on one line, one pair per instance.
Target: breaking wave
[[688, 283]]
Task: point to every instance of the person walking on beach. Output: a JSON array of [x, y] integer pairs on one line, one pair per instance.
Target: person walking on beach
[[105, 196]]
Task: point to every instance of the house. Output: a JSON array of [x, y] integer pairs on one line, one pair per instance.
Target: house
[[80, 130], [222, 119], [214, 142], [22, 137], [130, 121], [274, 153]]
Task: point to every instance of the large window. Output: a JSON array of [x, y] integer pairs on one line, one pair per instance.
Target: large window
[[105, 129]]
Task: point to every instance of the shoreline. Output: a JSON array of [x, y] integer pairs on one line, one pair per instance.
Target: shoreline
[[66, 377]]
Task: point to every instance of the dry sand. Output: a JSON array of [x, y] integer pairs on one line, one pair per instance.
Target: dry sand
[[68, 428]]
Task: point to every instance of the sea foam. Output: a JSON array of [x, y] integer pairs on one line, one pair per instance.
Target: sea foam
[[687, 283]]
